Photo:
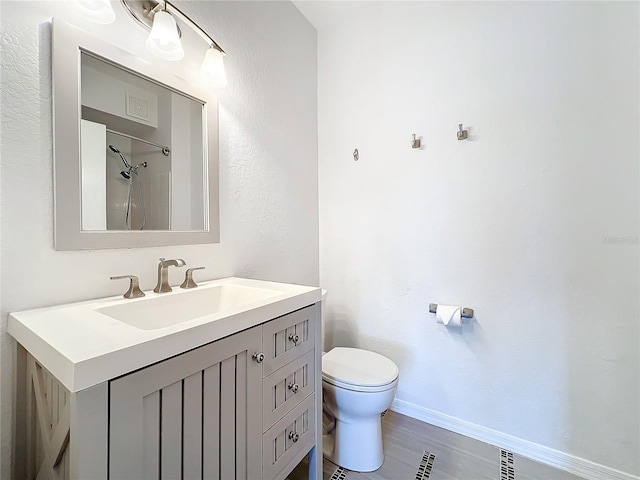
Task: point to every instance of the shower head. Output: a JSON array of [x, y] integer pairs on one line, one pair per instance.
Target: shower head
[[124, 159], [125, 175]]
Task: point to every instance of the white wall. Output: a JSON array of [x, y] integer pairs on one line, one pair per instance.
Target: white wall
[[268, 164], [532, 221]]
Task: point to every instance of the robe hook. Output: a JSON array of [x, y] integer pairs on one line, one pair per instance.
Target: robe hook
[[462, 134]]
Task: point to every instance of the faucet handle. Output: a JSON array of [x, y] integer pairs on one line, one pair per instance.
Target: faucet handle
[[134, 286], [188, 278]]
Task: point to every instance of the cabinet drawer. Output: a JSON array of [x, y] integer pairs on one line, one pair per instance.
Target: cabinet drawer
[[286, 443], [288, 337], [286, 387]]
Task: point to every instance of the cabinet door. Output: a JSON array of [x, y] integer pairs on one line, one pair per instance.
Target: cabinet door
[[197, 415]]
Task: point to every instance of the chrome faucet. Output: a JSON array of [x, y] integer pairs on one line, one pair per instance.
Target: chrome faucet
[[163, 274]]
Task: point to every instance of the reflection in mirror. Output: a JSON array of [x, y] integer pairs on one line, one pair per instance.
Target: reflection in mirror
[[135, 149], [131, 132]]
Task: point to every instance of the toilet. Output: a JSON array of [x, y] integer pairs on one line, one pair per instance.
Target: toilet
[[357, 386]]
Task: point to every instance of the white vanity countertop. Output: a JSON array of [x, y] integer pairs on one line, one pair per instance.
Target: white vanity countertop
[[82, 347]]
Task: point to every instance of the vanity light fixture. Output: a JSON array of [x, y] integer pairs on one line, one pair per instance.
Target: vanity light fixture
[[164, 41], [99, 11], [212, 67], [160, 16]]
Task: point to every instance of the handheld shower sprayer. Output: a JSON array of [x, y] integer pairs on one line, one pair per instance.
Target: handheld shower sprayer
[[131, 174], [124, 159], [130, 168]]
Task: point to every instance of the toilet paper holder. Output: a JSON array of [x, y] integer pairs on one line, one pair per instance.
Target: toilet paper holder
[[465, 313]]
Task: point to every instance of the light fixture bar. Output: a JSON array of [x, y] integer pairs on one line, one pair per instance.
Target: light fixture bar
[[159, 16], [205, 36], [142, 12]]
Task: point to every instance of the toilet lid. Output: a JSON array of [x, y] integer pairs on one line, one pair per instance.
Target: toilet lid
[[354, 366]]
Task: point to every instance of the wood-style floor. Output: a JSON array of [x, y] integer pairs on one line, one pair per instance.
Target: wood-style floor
[[418, 451]]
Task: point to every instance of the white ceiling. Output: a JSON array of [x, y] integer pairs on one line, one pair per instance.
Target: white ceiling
[[323, 13]]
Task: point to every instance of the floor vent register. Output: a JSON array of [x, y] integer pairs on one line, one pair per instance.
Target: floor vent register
[[507, 471], [339, 474], [426, 465]]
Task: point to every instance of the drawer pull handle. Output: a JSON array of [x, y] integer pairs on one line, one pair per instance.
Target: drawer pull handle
[[293, 437], [293, 387], [294, 338], [258, 357]]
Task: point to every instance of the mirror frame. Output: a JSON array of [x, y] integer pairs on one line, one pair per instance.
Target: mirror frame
[[67, 45]]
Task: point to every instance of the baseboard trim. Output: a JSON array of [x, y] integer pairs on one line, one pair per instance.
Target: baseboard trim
[[548, 456]]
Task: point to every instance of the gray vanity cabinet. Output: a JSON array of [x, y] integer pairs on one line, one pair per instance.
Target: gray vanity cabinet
[[196, 415], [244, 407]]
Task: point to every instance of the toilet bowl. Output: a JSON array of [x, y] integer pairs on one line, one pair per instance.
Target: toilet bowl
[[357, 386]]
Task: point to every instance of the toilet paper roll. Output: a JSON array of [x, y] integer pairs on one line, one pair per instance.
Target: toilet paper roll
[[449, 315]]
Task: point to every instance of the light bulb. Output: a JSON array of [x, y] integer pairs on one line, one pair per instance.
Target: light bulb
[[163, 40], [98, 11], [213, 68]]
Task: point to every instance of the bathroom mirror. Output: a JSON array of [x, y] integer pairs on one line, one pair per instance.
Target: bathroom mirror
[[135, 150]]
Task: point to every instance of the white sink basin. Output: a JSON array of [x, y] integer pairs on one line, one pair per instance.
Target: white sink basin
[[151, 313], [86, 343]]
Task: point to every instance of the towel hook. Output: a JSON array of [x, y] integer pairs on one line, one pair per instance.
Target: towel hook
[[356, 155], [462, 134], [415, 143]]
